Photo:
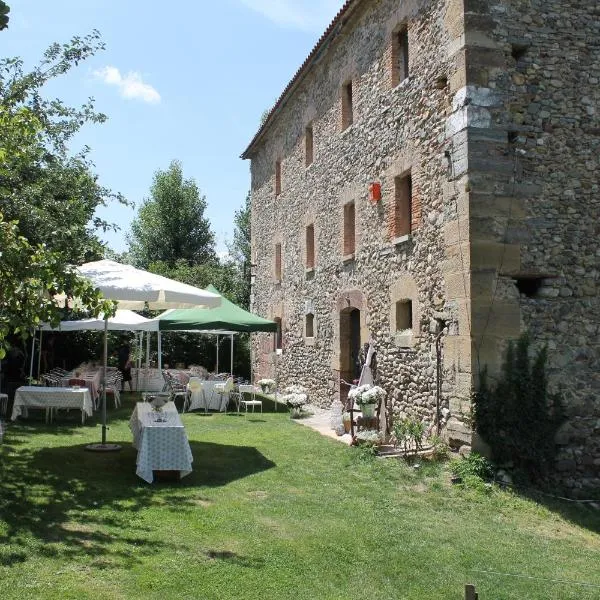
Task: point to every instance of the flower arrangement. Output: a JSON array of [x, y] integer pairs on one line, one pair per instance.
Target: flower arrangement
[[368, 437], [295, 396], [266, 385], [366, 394]]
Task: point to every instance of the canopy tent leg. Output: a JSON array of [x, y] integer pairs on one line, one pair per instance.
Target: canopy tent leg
[[275, 367], [32, 353], [159, 351], [103, 446], [40, 354], [231, 371], [217, 367], [140, 341], [147, 369]]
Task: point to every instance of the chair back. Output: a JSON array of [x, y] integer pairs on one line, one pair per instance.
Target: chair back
[[195, 385], [228, 385], [246, 389]]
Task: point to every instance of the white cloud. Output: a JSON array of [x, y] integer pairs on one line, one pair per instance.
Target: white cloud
[[307, 15], [130, 85]]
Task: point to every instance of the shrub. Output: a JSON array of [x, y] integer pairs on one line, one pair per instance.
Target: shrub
[[473, 465], [441, 450], [517, 417], [409, 434]]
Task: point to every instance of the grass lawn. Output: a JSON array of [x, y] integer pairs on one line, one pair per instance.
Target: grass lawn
[[272, 510]]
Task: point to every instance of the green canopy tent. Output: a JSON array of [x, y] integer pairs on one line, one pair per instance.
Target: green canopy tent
[[226, 318]]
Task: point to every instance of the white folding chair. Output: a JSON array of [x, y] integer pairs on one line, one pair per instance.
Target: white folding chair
[[253, 402], [224, 389], [195, 387]]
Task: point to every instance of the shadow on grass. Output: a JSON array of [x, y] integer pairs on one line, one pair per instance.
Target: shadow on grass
[[582, 514], [68, 503]]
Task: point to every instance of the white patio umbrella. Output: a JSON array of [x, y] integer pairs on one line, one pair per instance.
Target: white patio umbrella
[[124, 320], [135, 288]]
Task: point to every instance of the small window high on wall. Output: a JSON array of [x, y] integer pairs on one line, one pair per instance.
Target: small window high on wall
[[310, 325], [277, 177], [349, 229], [308, 140], [399, 56], [347, 106], [278, 343], [310, 247], [404, 320], [402, 205], [278, 262]]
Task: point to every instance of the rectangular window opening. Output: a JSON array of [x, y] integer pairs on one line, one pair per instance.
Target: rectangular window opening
[[310, 247], [402, 56], [278, 342], [310, 325], [404, 321], [309, 145], [402, 206], [347, 108], [349, 229], [277, 177], [278, 262]]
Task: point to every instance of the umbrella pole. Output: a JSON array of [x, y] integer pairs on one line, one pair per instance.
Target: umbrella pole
[[104, 380], [103, 446]]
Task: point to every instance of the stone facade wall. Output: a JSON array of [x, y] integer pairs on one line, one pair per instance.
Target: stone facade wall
[[395, 131], [534, 68], [498, 126]]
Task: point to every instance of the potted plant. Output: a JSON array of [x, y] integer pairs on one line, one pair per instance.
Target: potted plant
[[346, 420], [368, 437], [295, 397], [266, 385], [367, 397]]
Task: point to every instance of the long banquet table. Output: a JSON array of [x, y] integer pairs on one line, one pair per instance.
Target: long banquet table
[[161, 445], [48, 398]]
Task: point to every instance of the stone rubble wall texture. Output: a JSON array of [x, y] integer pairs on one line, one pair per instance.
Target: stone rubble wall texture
[[534, 174], [498, 125]]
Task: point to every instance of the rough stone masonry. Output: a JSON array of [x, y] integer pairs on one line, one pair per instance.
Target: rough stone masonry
[[479, 121]]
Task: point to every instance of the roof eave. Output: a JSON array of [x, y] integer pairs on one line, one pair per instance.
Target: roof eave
[[315, 55]]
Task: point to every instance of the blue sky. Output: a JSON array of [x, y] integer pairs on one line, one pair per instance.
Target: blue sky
[[185, 80]]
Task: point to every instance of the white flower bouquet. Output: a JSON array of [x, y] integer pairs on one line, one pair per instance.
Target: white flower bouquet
[[368, 437], [295, 397], [266, 385], [367, 394]]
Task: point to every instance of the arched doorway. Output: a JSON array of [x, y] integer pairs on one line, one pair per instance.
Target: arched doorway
[[350, 344]]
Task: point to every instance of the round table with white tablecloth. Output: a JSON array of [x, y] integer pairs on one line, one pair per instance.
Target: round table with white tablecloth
[[203, 395]]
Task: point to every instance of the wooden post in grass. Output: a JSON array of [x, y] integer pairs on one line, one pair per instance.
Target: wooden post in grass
[[470, 593]]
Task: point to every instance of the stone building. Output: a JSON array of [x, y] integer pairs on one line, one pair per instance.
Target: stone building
[[431, 171]]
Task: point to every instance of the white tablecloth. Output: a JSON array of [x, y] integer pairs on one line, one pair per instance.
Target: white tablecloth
[[52, 397], [92, 377], [206, 398], [161, 446]]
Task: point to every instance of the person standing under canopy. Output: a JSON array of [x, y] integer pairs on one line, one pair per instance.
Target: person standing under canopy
[[124, 364]]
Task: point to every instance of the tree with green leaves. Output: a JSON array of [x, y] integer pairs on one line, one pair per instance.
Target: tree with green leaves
[[4, 10], [48, 196], [240, 252], [171, 225], [31, 276]]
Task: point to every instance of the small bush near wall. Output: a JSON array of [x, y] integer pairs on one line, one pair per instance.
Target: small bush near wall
[[517, 416]]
